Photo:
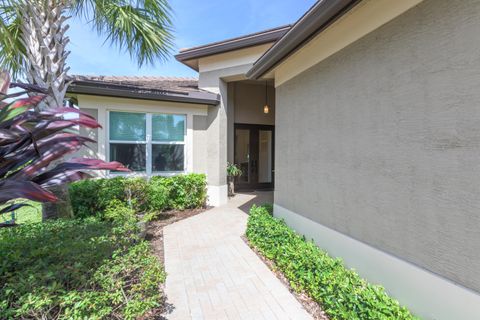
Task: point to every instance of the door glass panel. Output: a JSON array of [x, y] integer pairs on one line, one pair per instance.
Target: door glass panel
[[265, 156], [242, 153]]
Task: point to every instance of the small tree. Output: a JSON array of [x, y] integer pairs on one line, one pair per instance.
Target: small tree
[[31, 140], [233, 171]]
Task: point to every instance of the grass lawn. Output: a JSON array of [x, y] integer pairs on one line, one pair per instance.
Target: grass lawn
[[25, 214]]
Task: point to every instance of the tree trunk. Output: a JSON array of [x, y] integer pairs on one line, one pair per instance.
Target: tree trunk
[[231, 186], [45, 42], [60, 209]]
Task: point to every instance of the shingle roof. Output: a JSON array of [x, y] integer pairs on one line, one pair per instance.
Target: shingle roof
[[180, 89], [175, 84]]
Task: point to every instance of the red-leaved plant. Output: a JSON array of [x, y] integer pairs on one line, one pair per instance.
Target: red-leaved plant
[[30, 140]]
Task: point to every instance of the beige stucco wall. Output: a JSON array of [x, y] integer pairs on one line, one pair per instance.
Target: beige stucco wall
[[381, 141], [232, 58], [91, 151]]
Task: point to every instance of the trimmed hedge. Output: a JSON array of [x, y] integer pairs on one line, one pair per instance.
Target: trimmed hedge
[[340, 291], [93, 197], [77, 269]]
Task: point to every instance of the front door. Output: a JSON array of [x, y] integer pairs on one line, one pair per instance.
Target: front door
[[254, 154]]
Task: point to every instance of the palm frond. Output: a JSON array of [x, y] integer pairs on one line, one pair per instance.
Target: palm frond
[[12, 50], [143, 28]]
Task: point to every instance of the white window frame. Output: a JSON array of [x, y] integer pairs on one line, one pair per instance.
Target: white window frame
[[148, 144]]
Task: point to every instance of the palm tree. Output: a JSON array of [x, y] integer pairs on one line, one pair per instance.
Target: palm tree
[[34, 36], [34, 40]]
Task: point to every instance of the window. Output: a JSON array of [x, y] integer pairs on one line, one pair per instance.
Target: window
[[150, 143], [168, 142]]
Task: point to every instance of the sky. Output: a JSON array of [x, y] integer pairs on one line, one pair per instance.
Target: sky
[[195, 22]]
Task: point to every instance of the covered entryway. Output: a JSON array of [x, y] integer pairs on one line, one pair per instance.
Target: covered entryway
[[251, 143], [254, 154], [222, 68]]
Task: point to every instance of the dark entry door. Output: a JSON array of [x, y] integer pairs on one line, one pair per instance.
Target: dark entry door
[[254, 154]]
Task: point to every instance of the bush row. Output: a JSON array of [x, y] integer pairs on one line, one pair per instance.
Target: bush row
[[77, 269], [340, 291], [93, 197]]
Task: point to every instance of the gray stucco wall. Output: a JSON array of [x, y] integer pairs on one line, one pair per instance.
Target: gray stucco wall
[[249, 102], [200, 144], [218, 133], [217, 139], [382, 140]]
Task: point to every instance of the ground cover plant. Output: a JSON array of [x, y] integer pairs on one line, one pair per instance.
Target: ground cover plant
[[341, 292], [94, 266], [94, 197], [78, 269]]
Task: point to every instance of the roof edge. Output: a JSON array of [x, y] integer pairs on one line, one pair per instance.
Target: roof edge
[[123, 91], [314, 21], [249, 40]]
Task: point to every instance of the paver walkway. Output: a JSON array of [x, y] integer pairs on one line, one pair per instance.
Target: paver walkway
[[213, 274]]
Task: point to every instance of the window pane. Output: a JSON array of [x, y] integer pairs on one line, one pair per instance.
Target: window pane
[[242, 153], [167, 157], [168, 127], [127, 126], [131, 155], [265, 156]]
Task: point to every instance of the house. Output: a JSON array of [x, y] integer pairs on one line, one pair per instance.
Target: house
[[164, 126], [364, 118]]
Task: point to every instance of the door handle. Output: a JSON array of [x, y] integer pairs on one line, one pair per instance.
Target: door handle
[[254, 166]]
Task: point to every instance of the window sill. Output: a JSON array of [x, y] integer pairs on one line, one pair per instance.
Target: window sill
[[144, 174]]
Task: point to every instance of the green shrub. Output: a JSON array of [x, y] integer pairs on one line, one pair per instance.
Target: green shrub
[[183, 191], [118, 211], [189, 191], [158, 194], [77, 269], [92, 197], [340, 291], [110, 189], [136, 193]]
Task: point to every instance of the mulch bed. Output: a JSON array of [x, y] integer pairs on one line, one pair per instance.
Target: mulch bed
[[307, 302], [155, 228]]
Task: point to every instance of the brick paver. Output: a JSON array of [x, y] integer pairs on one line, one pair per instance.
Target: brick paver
[[213, 274]]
